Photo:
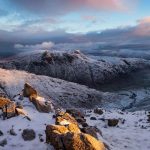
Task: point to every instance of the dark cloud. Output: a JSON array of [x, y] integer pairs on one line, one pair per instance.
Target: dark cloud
[[134, 37]]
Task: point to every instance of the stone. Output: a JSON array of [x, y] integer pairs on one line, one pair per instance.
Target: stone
[[3, 142], [28, 134], [113, 122], [41, 106], [85, 124], [92, 130], [93, 118], [98, 111], [9, 110], [12, 132], [29, 90], [65, 117], [81, 141], [81, 120], [62, 137], [1, 133], [75, 113], [4, 102]]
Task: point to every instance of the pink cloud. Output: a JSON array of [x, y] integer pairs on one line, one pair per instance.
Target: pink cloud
[[59, 7], [143, 27]]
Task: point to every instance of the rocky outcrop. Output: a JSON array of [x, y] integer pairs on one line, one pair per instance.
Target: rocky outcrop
[[74, 67], [40, 103], [29, 91], [4, 102], [66, 135]]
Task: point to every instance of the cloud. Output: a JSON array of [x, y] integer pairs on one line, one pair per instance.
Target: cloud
[[42, 46], [143, 27], [60, 7]]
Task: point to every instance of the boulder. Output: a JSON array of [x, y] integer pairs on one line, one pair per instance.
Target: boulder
[[113, 122], [81, 141], [62, 137], [92, 130], [41, 106], [29, 90], [4, 101], [28, 134], [75, 113], [63, 118], [9, 110]]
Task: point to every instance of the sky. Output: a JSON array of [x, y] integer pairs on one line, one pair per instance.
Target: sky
[[43, 23]]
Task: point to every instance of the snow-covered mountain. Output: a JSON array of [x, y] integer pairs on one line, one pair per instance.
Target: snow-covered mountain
[[74, 66], [132, 128]]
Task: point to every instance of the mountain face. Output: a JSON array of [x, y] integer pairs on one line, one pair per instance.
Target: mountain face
[[74, 67]]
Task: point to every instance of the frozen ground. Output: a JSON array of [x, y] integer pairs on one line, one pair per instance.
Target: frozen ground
[[133, 134]]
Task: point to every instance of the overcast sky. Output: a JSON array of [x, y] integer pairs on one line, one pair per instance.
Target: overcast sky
[[34, 23]]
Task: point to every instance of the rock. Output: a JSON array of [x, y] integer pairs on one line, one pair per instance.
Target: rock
[[41, 106], [75, 113], [81, 141], [92, 130], [148, 118], [12, 132], [113, 122], [4, 102], [18, 105], [61, 138], [93, 118], [98, 111], [29, 90], [28, 134], [1, 133], [20, 111], [85, 125], [63, 118], [3, 142], [81, 120], [9, 110]]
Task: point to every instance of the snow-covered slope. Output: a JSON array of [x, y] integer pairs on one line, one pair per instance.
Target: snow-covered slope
[[60, 92], [74, 66], [131, 133], [67, 94]]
